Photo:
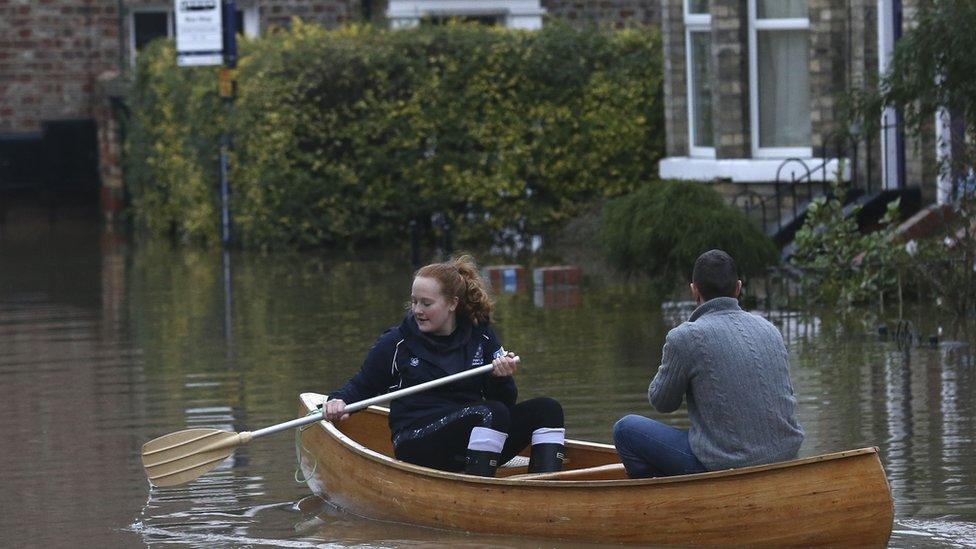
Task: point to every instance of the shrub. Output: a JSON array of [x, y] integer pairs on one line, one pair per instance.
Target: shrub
[[171, 165], [661, 229], [344, 136], [842, 266]]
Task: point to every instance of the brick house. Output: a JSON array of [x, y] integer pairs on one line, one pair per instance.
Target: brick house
[[64, 66], [753, 99]]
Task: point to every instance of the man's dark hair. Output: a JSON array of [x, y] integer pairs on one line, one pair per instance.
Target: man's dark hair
[[714, 275]]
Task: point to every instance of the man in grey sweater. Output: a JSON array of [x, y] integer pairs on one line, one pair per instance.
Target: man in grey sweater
[[732, 368]]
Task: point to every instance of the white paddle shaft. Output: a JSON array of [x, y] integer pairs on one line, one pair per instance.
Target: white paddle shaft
[[362, 404]]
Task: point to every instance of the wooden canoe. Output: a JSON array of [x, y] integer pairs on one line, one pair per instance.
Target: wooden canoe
[[840, 499]]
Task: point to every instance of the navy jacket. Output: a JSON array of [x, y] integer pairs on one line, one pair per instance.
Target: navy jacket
[[404, 356]]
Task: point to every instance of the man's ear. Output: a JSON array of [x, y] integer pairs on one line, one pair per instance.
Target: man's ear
[[695, 294], [738, 288]]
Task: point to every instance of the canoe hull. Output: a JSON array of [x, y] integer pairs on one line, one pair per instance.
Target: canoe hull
[[840, 499]]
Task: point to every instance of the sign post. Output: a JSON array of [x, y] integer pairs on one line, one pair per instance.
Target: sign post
[[228, 88], [206, 34]]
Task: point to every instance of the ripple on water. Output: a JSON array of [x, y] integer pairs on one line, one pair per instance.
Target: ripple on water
[[141, 347], [944, 533]]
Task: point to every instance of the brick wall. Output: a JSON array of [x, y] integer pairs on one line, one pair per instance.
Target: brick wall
[[328, 13], [617, 13], [51, 54]]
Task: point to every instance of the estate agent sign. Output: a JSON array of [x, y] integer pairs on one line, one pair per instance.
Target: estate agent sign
[[199, 34]]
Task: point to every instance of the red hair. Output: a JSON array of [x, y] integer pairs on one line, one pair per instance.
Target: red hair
[[460, 278]]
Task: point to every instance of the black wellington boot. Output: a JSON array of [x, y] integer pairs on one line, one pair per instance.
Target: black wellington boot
[[481, 463], [546, 458]]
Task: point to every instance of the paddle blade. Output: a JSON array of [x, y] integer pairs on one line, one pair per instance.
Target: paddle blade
[[178, 458]]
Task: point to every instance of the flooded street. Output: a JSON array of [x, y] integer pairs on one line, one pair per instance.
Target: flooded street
[[107, 344]]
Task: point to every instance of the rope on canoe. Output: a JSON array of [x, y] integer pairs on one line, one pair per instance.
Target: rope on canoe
[[299, 448]]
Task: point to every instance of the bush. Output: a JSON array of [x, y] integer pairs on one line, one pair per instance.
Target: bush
[[342, 137], [841, 266], [662, 228], [170, 164]]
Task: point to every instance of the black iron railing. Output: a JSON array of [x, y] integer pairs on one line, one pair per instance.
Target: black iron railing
[[782, 209]]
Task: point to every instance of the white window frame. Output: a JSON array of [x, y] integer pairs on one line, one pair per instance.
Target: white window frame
[[248, 8], [694, 22], [513, 14], [756, 26]]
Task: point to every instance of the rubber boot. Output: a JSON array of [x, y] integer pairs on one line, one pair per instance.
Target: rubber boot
[[546, 458], [481, 463]]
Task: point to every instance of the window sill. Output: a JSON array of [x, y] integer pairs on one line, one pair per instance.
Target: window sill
[[748, 170]]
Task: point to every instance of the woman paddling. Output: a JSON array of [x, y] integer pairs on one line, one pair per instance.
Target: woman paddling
[[471, 425]]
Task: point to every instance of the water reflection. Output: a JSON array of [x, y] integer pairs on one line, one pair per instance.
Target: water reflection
[[107, 344]]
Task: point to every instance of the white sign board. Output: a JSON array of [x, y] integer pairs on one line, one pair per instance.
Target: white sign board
[[199, 33]]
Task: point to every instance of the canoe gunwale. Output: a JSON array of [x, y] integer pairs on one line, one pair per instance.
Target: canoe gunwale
[[310, 401]]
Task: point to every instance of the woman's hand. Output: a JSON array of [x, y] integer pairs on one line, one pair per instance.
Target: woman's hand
[[334, 409], [505, 365]]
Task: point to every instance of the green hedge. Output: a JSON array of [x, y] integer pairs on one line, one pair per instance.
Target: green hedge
[[660, 229], [344, 136], [171, 146]]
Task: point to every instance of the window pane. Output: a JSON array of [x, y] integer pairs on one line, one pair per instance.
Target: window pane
[[697, 6], [149, 25], [776, 9], [701, 89], [784, 89]]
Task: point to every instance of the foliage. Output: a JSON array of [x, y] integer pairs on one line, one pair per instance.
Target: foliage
[[942, 266], [342, 137], [169, 167], [661, 229], [841, 265], [932, 68]]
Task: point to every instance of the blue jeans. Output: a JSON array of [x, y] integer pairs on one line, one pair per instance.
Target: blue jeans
[[650, 448]]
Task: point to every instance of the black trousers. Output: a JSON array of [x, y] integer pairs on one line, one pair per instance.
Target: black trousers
[[441, 441]]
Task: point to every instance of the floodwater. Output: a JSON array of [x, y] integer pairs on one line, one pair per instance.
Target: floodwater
[[105, 344]]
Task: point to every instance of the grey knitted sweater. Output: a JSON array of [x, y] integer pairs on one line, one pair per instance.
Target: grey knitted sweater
[[733, 369]]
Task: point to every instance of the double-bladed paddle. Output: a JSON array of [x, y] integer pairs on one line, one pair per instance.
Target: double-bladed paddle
[[178, 458]]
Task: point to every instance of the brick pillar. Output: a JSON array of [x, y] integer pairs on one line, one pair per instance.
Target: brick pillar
[[675, 79], [730, 96], [829, 48]]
